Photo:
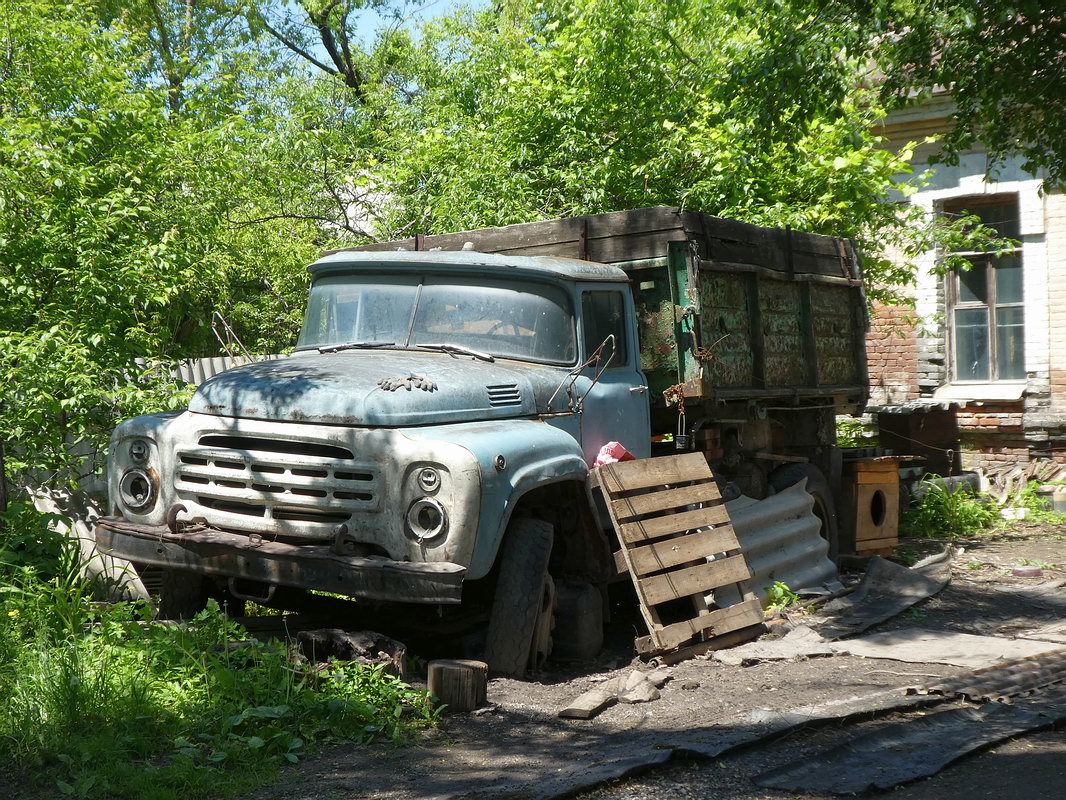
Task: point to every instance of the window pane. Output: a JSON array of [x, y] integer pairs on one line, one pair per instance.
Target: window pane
[[971, 344], [973, 283], [1003, 217], [603, 314], [1009, 280], [1010, 343], [507, 319]]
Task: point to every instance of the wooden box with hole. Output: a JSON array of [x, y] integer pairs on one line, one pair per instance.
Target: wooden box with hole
[[869, 504]]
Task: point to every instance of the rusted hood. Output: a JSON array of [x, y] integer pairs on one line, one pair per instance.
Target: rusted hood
[[382, 387]]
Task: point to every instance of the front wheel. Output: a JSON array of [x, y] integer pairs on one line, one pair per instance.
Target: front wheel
[[183, 595], [522, 585]]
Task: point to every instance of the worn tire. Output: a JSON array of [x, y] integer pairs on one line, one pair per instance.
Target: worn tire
[[182, 595], [519, 594], [818, 487]]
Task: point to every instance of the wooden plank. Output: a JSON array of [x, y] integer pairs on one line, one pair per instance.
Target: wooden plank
[[876, 544], [645, 473], [642, 530], [682, 549], [646, 647], [699, 579], [885, 478], [716, 623], [630, 508]]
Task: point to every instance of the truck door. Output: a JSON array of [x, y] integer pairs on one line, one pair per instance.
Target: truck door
[[616, 407]]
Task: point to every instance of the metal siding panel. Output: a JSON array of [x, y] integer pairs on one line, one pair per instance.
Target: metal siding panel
[[780, 540]]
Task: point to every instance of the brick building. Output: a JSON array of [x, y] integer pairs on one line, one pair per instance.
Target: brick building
[[989, 342]]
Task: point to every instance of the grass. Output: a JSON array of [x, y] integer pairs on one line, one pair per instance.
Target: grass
[[948, 513], [97, 700]]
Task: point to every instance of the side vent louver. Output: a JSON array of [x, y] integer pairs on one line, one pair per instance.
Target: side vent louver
[[504, 394]]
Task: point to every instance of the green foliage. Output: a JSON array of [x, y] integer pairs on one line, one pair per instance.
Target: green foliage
[[1038, 508], [781, 597], [567, 108], [853, 432], [106, 703], [947, 512], [1001, 62]]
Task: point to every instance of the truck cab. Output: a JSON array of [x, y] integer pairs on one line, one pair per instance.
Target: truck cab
[[431, 432]]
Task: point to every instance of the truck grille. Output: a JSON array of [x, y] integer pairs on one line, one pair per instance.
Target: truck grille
[[299, 486], [504, 394]]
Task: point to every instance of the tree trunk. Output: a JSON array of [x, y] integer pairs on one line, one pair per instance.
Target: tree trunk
[[461, 685]]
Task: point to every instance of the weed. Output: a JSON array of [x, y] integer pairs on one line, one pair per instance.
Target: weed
[[780, 597], [947, 512], [101, 701], [1034, 562], [975, 565], [1038, 510]]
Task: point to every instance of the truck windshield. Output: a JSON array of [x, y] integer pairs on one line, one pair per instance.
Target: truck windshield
[[505, 319]]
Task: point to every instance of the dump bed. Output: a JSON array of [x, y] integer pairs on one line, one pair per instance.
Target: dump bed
[[727, 310]]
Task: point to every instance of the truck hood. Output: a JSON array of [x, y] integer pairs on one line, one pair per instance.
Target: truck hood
[[356, 387]]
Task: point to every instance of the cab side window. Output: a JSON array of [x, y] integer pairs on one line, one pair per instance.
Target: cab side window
[[603, 314]]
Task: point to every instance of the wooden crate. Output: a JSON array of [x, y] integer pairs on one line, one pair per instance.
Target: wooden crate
[[678, 545], [870, 503]]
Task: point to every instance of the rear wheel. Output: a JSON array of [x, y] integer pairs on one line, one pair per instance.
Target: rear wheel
[[523, 598], [818, 487]]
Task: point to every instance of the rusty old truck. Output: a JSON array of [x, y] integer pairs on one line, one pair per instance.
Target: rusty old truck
[[426, 447]]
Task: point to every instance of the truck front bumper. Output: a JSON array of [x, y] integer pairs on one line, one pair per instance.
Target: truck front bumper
[[210, 551]]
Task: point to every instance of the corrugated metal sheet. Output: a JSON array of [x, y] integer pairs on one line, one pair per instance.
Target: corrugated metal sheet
[[198, 370], [1002, 682], [780, 539]]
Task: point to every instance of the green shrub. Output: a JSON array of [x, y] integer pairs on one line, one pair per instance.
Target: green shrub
[[780, 597], [104, 702], [948, 512], [1037, 509]]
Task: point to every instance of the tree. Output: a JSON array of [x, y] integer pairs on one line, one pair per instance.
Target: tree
[[114, 241], [555, 108], [1003, 63]]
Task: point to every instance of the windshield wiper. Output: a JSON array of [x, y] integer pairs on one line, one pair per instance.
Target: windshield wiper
[[457, 349], [336, 348]]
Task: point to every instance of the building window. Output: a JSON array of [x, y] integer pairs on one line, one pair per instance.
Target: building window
[[985, 302]]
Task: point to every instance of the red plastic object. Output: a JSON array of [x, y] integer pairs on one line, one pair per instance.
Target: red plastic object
[[611, 453]]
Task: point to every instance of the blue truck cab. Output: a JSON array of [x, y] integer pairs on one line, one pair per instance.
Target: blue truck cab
[[436, 407]]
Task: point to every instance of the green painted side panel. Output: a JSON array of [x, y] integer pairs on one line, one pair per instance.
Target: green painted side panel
[[835, 330], [780, 302], [726, 330], [658, 340]]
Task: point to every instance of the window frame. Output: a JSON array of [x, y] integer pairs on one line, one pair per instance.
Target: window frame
[[953, 281]]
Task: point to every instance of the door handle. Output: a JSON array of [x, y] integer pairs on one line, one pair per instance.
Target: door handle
[[638, 389]]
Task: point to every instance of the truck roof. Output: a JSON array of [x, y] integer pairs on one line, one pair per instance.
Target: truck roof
[[461, 261]]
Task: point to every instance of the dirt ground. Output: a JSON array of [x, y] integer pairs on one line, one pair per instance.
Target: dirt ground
[[519, 748]]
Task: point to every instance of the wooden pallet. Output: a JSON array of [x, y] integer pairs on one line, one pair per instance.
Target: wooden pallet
[[670, 520]]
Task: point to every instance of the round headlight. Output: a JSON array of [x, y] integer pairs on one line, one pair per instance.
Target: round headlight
[[429, 479], [136, 489], [426, 519], [138, 451]]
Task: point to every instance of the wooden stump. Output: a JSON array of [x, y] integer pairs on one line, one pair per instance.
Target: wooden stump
[[459, 683]]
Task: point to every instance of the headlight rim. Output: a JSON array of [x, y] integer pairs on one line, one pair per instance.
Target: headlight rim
[[422, 533], [126, 493]]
